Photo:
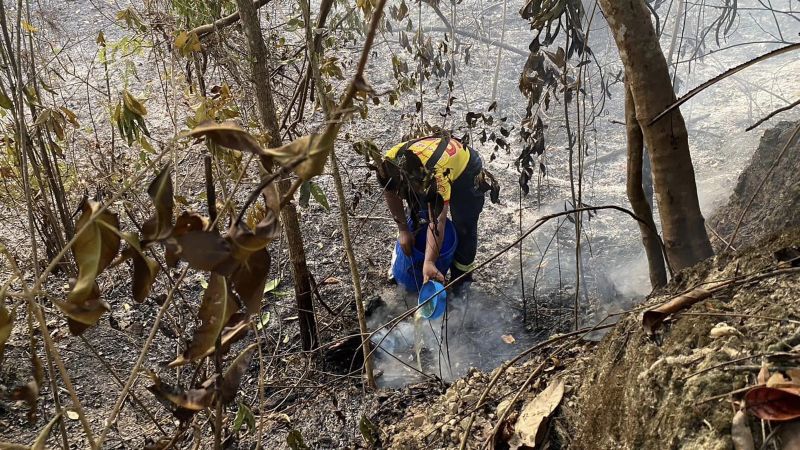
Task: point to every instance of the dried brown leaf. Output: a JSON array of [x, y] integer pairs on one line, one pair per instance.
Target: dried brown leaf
[[161, 193], [189, 221], [230, 334], [145, 269], [771, 403], [202, 250], [84, 313], [250, 278], [29, 392], [741, 435], [249, 252], [534, 416], [216, 310], [186, 222], [777, 380], [763, 374], [6, 324], [652, 319], [94, 249], [183, 404], [228, 134], [233, 376], [721, 330], [309, 153]]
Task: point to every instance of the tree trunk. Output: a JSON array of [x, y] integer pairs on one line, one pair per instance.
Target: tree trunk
[[289, 217], [327, 105], [647, 76], [637, 197]]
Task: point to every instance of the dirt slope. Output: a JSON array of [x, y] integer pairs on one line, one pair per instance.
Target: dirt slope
[[669, 391], [775, 206]]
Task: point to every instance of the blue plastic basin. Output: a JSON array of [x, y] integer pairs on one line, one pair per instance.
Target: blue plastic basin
[[407, 270]]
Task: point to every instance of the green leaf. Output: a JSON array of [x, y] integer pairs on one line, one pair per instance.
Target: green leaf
[[295, 23], [264, 321], [244, 416], [5, 102], [319, 195], [305, 194], [271, 285], [295, 441]]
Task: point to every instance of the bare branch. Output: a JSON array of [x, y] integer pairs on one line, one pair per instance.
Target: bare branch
[[721, 77], [773, 114], [204, 30]]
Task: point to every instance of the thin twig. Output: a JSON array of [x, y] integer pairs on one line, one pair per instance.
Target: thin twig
[[734, 361], [773, 114], [504, 368], [721, 77], [140, 360], [116, 378]]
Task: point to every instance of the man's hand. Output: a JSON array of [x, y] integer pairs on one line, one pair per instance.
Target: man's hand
[[430, 272], [406, 240]]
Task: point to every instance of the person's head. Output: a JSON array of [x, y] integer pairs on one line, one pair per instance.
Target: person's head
[[407, 177], [403, 173]]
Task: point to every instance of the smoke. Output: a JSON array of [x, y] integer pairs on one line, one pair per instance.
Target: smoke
[[488, 325], [480, 329]]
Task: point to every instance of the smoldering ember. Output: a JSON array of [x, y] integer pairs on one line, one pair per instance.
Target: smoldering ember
[[398, 224]]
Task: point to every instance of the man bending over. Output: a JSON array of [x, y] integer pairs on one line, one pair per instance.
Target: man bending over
[[437, 176]]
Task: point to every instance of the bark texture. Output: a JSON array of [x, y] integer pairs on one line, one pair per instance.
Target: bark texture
[[637, 197], [289, 216], [647, 76]]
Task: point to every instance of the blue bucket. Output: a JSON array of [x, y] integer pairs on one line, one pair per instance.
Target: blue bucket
[[407, 270], [433, 292]]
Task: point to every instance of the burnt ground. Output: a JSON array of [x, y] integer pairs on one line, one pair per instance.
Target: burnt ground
[[677, 388]]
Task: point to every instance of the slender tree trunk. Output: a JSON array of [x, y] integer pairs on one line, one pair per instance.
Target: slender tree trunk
[[667, 141], [366, 348], [637, 197], [289, 216], [327, 105]]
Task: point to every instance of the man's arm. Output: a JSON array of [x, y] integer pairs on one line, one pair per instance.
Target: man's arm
[[398, 212], [433, 245], [395, 205]]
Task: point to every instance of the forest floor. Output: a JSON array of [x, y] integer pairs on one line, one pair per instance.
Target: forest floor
[[676, 388]]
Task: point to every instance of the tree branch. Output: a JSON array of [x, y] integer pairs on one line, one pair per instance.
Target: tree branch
[[721, 77], [204, 30], [773, 114]]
